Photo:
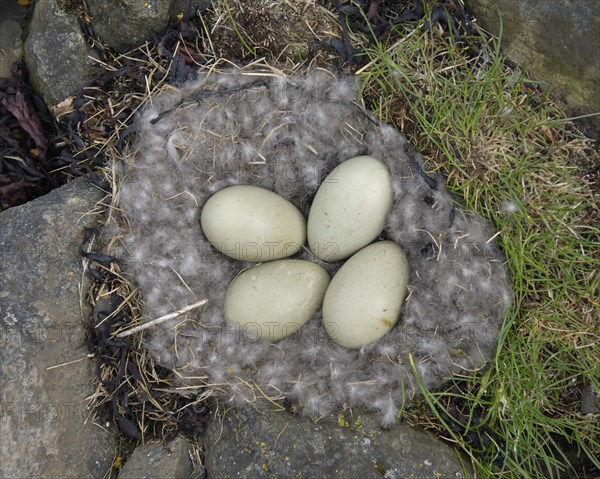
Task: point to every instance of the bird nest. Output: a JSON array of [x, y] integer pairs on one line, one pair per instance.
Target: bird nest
[[257, 126]]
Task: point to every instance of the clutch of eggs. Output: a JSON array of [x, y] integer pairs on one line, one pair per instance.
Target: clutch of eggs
[[275, 298]]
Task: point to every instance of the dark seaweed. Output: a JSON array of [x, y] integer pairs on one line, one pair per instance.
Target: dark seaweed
[[378, 18]]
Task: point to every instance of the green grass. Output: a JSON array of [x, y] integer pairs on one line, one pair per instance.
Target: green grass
[[501, 142], [239, 35]]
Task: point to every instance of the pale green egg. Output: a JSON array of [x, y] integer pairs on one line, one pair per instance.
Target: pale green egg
[[275, 299], [364, 299], [250, 223], [350, 208]]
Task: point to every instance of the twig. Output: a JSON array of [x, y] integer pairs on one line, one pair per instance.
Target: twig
[[162, 319], [65, 364]]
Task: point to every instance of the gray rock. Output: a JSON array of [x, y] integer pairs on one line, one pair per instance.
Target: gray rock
[[198, 473], [155, 461], [128, 23], [556, 41], [250, 444], [57, 54], [46, 428], [16, 11], [11, 46], [189, 7]]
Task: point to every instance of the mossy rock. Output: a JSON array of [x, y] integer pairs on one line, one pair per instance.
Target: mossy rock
[[556, 41]]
